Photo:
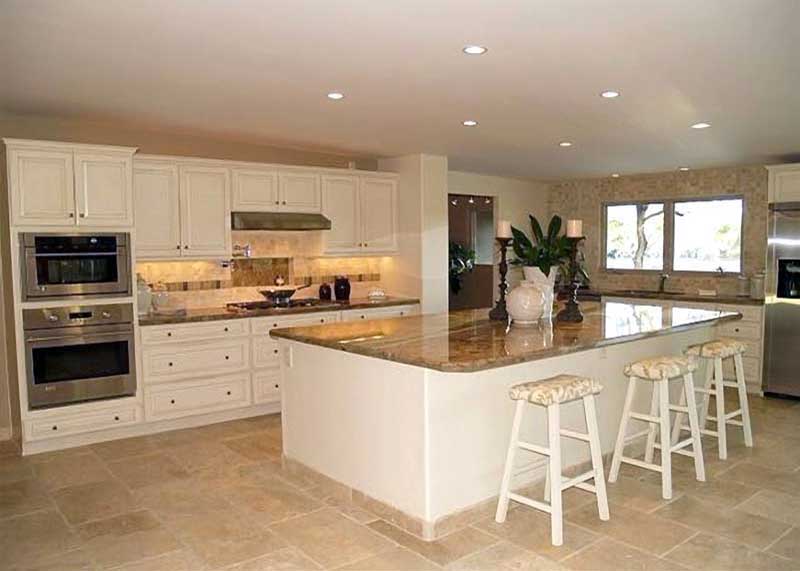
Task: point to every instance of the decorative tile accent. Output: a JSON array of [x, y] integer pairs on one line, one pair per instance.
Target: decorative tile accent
[[259, 271]]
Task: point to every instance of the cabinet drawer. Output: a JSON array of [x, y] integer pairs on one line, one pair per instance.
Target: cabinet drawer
[[749, 312], [265, 352], [263, 325], [378, 313], [266, 386], [159, 334], [741, 330], [85, 422], [181, 361], [198, 397]]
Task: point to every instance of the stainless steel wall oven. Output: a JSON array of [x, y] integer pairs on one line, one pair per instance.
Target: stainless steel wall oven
[[60, 265], [81, 353]]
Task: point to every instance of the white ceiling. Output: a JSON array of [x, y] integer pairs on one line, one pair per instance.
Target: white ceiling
[[258, 70]]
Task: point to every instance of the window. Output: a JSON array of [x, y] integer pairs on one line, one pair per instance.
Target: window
[[681, 236], [635, 237]]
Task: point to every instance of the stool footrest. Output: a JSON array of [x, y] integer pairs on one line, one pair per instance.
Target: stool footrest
[[645, 417], [530, 502], [711, 392], [577, 480], [635, 435], [641, 463], [730, 384], [576, 435], [533, 448], [677, 408], [681, 445]]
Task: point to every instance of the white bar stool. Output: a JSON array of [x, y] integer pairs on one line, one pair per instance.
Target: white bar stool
[[714, 352], [551, 393], [660, 370]]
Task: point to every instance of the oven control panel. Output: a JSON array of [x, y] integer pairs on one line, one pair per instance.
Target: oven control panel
[[50, 317]]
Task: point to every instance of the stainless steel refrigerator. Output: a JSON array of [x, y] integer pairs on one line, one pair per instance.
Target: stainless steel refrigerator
[[782, 334]]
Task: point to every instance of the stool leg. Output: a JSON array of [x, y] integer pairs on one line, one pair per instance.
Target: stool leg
[[743, 402], [650, 447], [502, 503], [554, 443], [694, 426], [597, 456], [706, 397], [719, 384], [666, 455], [623, 426]]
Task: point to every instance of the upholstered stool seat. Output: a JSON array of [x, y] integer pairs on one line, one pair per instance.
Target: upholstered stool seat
[[720, 348], [659, 371], [551, 393], [713, 353], [660, 368], [558, 389]]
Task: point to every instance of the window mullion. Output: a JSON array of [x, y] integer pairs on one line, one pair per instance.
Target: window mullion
[[669, 234]]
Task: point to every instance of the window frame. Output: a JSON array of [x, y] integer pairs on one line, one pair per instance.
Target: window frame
[[669, 235]]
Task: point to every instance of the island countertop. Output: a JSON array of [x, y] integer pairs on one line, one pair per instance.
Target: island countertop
[[468, 341]]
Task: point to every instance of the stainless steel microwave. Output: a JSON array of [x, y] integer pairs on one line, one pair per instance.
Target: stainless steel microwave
[[64, 266]]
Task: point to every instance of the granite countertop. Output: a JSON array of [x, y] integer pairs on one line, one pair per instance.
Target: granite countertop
[[682, 296], [217, 313], [468, 341]]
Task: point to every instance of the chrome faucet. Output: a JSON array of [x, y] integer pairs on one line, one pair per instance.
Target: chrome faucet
[[662, 285]]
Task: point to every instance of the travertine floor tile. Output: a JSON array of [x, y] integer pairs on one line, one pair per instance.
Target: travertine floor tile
[[502, 555], [206, 457], [183, 498], [147, 470], [788, 545], [645, 531], [73, 560], [127, 447], [270, 501], [706, 552], [637, 494], [24, 496], [759, 476], [255, 447], [98, 500], [442, 551], [286, 559], [773, 505], [748, 529], [126, 538], [14, 469], [64, 471], [331, 539], [530, 529], [394, 560], [610, 555], [183, 560], [224, 552], [34, 538]]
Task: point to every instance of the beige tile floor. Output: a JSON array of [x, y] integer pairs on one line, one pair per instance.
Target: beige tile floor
[[216, 497]]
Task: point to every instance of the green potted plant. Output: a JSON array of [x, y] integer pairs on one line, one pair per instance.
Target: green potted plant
[[462, 260]]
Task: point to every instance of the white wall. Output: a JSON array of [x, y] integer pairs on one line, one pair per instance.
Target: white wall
[[515, 198]]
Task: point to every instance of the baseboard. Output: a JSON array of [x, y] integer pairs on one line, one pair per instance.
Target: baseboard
[[5, 433]]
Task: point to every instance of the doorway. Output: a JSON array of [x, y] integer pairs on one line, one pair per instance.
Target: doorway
[[471, 234]]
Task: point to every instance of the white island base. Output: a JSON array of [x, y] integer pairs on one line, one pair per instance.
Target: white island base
[[426, 448]]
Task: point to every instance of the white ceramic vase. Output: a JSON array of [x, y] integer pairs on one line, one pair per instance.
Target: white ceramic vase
[[547, 285], [525, 304]]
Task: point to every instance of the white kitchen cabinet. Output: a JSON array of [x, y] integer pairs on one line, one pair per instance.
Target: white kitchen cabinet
[[254, 190], [363, 213], [61, 184], [205, 211], [267, 386], [158, 217], [299, 191], [784, 183], [265, 349], [203, 331], [189, 360], [341, 206], [379, 313], [198, 397], [66, 424]]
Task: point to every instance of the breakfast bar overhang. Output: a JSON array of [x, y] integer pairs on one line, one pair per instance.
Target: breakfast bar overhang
[[413, 415]]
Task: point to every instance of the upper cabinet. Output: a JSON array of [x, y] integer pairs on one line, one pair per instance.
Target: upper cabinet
[[182, 210], [271, 190], [784, 183], [363, 214], [59, 184], [299, 191]]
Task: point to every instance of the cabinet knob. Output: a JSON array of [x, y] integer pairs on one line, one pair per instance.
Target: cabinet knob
[[275, 351], [178, 247], [365, 244], [363, 317], [227, 357], [169, 333], [55, 428], [186, 247], [226, 330], [284, 202], [171, 401], [71, 215], [322, 321], [116, 418], [277, 202], [170, 364], [229, 393], [277, 386], [83, 215]]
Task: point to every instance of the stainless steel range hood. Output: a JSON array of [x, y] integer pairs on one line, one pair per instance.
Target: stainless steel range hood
[[278, 221]]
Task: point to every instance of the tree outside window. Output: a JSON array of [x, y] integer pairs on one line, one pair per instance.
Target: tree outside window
[[635, 236]]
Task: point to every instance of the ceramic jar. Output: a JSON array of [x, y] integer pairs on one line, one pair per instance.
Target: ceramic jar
[[547, 285], [525, 304]]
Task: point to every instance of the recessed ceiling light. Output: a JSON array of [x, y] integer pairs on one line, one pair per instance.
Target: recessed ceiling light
[[565, 144], [335, 95], [614, 175], [610, 94], [475, 50], [469, 123], [701, 125], [683, 169]]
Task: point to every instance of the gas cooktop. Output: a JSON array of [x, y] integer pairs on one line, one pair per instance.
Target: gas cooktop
[[292, 303]]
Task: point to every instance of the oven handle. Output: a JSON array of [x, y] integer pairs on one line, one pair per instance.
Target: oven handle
[[75, 254], [117, 335]]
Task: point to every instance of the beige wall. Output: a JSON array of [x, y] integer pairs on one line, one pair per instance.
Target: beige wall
[[584, 199]]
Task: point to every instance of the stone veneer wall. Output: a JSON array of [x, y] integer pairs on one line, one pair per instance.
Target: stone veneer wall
[[584, 199]]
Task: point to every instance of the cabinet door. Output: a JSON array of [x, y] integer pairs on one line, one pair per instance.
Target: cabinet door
[[205, 212], [158, 222], [103, 189], [378, 198], [254, 190], [340, 205], [299, 192], [42, 187], [786, 185]]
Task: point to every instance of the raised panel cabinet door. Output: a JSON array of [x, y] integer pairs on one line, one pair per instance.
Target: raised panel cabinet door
[[254, 190], [205, 212], [103, 189], [299, 192], [787, 186], [340, 205], [158, 218], [378, 199], [42, 187]]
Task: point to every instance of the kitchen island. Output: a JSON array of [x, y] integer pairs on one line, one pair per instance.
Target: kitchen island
[[412, 415]]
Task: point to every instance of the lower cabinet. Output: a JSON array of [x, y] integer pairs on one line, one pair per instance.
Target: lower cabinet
[[77, 423], [267, 386], [379, 313], [198, 397]]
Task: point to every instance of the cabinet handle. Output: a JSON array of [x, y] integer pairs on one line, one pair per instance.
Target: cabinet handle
[[178, 247], [322, 321], [275, 351], [227, 357], [116, 418], [169, 333], [55, 428], [274, 324], [83, 215], [229, 393], [186, 247], [277, 202], [284, 202], [71, 215], [171, 401], [170, 364], [363, 317], [365, 244], [226, 330], [277, 386]]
